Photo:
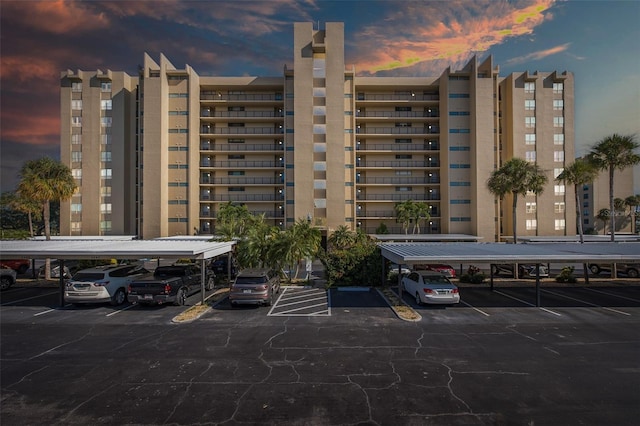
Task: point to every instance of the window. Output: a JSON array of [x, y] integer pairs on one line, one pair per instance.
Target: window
[[458, 95], [404, 189], [105, 191], [76, 226], [558, 104], [76, 86], [76, 173], [556, 172], [530, 122], [530, 138], [178, 95], [76, 139], [403, 124], [529, 87], [558, 207], [105, 86], [558, 139], [558, 87], [530, 156], [558, 189], [105, 121], [558, 156], [529, 104], [76, 156], [76, 104], [105, 104], [105, 139], [105, 156], [76, 121], [531, 207], [105, 225], [403, 172], [531, 224], [558, 121], [403, 157], [105, 173], [236, 189], [403, 140], [105, 208], [76, 208], [559, 224], [235, 173]]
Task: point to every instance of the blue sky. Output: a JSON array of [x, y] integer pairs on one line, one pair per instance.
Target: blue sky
[[596, 40]]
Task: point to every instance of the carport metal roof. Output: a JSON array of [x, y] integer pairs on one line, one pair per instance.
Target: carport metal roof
[[414, 253], [113, 248]]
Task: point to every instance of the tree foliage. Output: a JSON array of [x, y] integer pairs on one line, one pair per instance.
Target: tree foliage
[[409, 212], [578, 173], [359, 263], [516, 177]]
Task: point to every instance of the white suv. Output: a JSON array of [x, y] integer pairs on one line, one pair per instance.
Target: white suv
[[106, 283]]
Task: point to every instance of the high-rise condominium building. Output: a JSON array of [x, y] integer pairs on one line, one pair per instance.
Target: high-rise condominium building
[[160, 153]]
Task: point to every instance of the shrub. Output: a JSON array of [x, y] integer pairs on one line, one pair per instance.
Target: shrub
[[566, 275], [473, 276]]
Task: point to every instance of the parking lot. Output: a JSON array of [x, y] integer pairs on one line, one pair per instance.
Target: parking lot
[[336, 357]]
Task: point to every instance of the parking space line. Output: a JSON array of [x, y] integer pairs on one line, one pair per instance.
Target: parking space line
[[302, 308], [29, 298], [527, 303], [44, 312], [475, 309], [120, 310], [300, 301], [613, 295], [587, 303]]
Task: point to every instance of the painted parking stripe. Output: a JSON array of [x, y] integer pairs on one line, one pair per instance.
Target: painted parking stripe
[[475, 309], [300, 301], [612, 294], [303, 298], [527, 303], [303, 308], [587, 303]]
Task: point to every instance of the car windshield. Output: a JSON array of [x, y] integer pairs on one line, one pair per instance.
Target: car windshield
[[432, 279], [88, 276], [251, 280]]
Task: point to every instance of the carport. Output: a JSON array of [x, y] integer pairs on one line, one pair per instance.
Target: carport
[[68, 248], [409, 254]]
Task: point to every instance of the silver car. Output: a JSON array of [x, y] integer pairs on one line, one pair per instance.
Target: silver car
[[107, 283], [430, 287], [254, 286]]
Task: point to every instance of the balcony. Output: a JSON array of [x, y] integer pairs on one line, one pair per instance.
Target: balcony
[[434, 146], [235, 164], [242, 181], [398, 114], [241, 197], [207, 130], [398, 180], [394, 97], [397, 164], [240, 147], [378, 214], [213, 95], [398, 197], [205, 113], [426, 130], [268, 213]]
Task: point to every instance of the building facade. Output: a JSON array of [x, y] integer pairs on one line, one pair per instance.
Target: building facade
[[158, 154]]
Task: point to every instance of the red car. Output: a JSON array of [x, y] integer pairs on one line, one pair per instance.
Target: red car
[[19, 265], [446, 270]]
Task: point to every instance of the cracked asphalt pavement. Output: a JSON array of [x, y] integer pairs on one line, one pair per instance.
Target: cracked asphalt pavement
[[359, 366]]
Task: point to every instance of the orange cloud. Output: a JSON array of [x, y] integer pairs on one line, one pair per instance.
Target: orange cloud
[[39, 127], [57, 16], [451, 31], [538, 55]]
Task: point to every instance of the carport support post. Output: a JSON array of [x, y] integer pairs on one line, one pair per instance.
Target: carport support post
[[61, 263], [203, 277], [537, 285]]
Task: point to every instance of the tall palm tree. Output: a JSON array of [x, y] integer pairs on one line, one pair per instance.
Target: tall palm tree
[[31, 208], [615, 152], [420, 213], [633, 201], [43, 181], [303, 242], [578, 173], [516, 177], [404, 214], [342, 238], [233, 221], [603, 215]]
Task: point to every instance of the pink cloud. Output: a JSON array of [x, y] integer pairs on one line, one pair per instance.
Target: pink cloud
[[57, 16], [538, 55], [451, 31]]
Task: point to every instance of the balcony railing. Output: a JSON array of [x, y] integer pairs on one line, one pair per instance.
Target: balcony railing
[[398, 130], [240, 147], [268, 213], [219, 96], [241, 114], [242, 181], [241, 197], [376, 213], [241, 131], [397, 197], [398, 147], [398, 180], [401, 114], [240, 163], [397, 97], [394, 164]]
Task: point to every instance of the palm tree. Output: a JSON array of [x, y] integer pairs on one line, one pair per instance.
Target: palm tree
[[43, 181], [633, 201], [516, 177], [299, 241], [420, 212], [342, 238], [31, 208], [615, 152], [404, 214], [578, 173], [233, 221], [603, 215]]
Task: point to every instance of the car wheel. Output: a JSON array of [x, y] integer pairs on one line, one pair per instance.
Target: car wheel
[[632, 273], [595, 269], [269, 301], [118, 298], [209, 285], [181, 298], [418, 300], [5, 283]]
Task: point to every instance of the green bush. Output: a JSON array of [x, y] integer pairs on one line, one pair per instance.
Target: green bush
[[360, 264], [566, 275], [476, 278]]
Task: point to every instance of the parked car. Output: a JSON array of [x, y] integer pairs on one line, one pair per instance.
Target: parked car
[[393, 269], [430, 287], [8, 277], [107, 283], [70, 268], [446, 270], [255, 286], [19, 265], [631, 270], [524, 270], [169, 284], [221, 265]]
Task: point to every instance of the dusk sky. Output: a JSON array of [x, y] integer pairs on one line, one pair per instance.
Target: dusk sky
[[599, 41]]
